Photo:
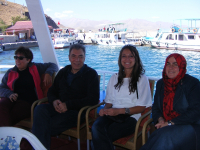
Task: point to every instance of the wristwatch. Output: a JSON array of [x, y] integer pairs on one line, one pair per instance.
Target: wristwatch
[[169, 123], [127, 111]]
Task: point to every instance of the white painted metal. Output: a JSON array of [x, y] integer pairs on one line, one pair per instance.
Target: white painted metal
[[42, 31]]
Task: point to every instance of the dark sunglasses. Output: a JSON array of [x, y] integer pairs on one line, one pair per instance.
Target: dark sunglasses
[[20, 57]]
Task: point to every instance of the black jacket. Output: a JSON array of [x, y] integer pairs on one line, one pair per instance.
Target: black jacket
[[186, 101], [83, 91]]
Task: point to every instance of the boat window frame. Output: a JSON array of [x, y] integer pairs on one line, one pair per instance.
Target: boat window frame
[[169, 37], [191, 38], [181, 35]]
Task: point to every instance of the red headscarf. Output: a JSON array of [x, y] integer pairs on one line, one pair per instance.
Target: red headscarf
[[170, 86]]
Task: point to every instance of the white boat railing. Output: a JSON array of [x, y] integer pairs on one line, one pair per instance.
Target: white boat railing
[[110, 72], [104, 74], [98, 71]]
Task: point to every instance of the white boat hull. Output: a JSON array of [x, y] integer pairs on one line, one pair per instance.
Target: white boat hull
[[60, 46], [175, 45], [114, 42], [63, 43]]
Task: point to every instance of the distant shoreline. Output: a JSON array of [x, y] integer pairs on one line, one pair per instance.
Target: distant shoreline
[[15, 45]]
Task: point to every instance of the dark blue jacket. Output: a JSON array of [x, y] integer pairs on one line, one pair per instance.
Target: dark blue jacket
[[186, 101], [83, 91]]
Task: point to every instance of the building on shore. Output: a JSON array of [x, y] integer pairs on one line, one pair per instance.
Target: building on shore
[[24, 30]]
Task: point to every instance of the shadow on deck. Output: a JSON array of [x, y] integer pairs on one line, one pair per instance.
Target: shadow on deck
[[60, 143]]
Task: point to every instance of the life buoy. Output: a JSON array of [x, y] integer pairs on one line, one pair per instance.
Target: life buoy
[[173, 30], [195, 30], [180, 30]]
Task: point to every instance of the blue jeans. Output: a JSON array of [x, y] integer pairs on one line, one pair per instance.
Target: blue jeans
[[105, 131], [47, 122], [174, 137]]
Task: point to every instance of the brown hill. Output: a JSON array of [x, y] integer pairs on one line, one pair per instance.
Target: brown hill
[[10, 9]]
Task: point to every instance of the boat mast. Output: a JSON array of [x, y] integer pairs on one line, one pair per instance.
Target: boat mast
[[41, 31]]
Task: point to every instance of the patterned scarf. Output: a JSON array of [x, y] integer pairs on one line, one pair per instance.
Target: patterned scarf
[[170, 86]]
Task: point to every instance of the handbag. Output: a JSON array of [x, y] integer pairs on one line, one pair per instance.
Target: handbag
[[119, 118]]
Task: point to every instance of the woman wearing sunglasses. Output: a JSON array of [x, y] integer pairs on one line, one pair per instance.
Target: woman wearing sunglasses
[[20, 86]]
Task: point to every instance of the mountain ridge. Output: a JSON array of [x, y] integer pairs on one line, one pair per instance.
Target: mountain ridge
[[136, 25]]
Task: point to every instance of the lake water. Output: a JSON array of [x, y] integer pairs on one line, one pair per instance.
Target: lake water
[[106, 58]]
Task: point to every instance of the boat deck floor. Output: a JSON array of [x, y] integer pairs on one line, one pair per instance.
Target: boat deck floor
[[60, 143]]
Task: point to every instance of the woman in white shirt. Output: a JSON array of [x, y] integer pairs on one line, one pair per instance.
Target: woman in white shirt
[[127, 96]]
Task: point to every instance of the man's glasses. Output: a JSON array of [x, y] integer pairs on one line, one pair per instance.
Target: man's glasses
[[19, 57]]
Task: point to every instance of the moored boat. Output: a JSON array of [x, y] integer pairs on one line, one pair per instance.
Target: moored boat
[[113, 35], [63, 41], [178, 38]]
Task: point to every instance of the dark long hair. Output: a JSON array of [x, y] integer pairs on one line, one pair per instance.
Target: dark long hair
[[136, 73]]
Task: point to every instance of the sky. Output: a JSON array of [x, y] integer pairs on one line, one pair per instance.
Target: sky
[[116, 10]]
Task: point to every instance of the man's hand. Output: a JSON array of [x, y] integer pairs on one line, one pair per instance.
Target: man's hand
[[63, 107], [59, 106], [47, 79], [13, 97]]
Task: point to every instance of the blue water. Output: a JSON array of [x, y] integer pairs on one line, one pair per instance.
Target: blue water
[[106, 58]]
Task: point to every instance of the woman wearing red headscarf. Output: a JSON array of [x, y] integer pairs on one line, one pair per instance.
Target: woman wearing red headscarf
[[176, 109]]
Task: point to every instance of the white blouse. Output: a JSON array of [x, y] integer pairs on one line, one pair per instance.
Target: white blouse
[[123, 99]]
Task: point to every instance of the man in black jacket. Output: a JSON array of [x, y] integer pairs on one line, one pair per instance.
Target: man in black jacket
[[75, 86]]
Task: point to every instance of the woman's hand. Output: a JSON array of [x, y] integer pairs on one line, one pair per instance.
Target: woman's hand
[[47, 79], [108, 111], [13, 97], [161, 123], [101, 112], [111, 111]]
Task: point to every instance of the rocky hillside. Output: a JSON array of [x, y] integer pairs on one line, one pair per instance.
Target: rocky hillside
[[10, 9]]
